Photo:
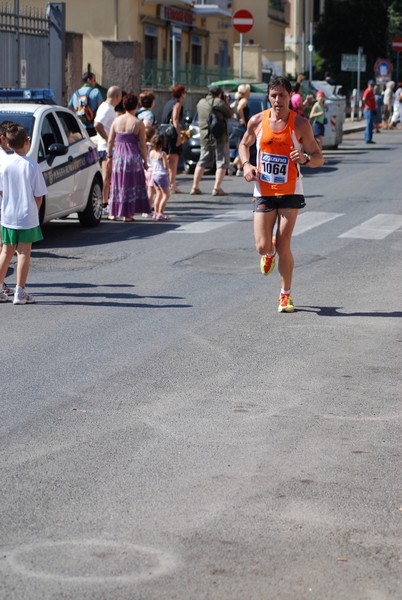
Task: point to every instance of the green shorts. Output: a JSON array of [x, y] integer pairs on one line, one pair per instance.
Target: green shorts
[[11, 237]]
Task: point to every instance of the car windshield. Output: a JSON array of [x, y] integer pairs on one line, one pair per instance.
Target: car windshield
[[25, 119]]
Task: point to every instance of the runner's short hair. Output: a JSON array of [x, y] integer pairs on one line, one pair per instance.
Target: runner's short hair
[[280, 81]]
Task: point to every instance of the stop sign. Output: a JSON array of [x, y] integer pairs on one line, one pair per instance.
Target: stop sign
[[397, 44], [243, 21]]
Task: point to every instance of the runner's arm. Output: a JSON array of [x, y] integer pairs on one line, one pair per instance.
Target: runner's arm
[[247, 141], [310, 153]]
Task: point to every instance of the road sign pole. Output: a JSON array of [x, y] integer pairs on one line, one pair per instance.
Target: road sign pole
[[397, 66], [359, 54], [241, 57]]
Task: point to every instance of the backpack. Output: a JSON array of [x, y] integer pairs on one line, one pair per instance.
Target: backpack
[[84, 111], [216, 126]]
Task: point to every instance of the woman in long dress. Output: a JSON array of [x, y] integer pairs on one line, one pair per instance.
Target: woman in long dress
[[127, 157]]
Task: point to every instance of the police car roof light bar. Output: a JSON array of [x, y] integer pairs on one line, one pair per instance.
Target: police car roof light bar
[[39, 95]]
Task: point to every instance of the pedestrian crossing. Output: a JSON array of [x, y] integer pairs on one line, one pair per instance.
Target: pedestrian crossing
[[376, 228]]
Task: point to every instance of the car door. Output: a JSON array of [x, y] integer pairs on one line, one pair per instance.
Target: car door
[[81, 154], [58, 176]]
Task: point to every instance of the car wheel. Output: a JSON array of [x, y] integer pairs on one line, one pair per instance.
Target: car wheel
[[92, 214], [189, 169]]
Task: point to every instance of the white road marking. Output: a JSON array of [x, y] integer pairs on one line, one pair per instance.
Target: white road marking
[[309, 220], [376, 228], [215, 222]]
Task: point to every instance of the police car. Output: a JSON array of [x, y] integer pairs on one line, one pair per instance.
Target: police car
[[66, 154]]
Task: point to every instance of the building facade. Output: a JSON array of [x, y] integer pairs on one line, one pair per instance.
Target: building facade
[[188, 41]]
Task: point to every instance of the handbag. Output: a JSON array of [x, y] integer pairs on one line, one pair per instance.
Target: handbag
[[168, 130]]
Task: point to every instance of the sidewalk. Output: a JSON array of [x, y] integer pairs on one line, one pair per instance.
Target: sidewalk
[[350, 126]]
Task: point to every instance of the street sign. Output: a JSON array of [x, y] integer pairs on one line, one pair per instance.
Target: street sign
[[382, 68], [349, 62], [397, 44], [242, 21]]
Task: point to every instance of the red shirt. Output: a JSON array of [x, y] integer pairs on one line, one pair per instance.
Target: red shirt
[[369, 99]]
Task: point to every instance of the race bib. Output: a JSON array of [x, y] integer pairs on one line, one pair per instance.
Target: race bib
[[274, 168]]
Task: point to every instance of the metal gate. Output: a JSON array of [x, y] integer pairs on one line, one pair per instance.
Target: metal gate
[[32, 48]]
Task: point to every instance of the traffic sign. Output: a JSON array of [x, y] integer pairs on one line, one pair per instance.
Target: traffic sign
[[397, 44], [350, 62], [243, 21]]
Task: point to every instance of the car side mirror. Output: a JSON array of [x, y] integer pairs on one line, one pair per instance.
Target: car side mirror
[[56, 150]]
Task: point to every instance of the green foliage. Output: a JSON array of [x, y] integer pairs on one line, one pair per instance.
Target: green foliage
[[347, 24]]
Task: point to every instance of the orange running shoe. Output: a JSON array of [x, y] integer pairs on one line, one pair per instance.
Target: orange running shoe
[[267, 264], [285, 303]]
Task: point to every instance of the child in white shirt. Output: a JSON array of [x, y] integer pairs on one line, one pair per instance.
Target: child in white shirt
[[22, 187], [160, 176]]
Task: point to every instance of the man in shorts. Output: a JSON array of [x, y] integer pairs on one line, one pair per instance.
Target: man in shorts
[[214, 151], [284, 141], [22, 187]]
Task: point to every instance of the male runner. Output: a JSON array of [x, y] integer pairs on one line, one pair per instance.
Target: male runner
[[284, 141]]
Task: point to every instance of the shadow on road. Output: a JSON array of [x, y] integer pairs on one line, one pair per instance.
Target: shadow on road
[[333, 311]]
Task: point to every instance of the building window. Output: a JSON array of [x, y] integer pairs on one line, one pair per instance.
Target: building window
[[196, 50], [151, 43]]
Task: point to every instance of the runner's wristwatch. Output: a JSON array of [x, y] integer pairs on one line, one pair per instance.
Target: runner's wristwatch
[[307, 157]]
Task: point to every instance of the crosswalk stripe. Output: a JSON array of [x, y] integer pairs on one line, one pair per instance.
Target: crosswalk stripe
[[376, 228], [309, 220], [214, 222]]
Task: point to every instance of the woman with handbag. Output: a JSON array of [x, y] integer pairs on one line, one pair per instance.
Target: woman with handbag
[[172, 114], [318, 118]]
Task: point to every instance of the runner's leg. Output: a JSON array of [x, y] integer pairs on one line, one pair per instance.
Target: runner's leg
[[287, 221]]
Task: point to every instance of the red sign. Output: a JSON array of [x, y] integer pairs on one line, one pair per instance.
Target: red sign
[[397, 44], [242, 21]]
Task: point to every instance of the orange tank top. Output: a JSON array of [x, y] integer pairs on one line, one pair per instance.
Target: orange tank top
[[277, 173]]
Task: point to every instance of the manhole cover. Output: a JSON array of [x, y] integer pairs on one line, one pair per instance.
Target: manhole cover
[[90, 561]]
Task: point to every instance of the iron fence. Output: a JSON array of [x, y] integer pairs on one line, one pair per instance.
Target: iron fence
[[158, 75]]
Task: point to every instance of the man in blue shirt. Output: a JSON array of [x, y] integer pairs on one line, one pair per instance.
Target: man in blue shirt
[[85, 101]]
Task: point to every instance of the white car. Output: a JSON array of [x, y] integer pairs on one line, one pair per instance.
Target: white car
[[68, 159]]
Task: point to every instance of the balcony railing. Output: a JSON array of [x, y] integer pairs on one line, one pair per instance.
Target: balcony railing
[[158, 75]]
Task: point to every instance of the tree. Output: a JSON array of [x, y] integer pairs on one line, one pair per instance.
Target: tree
[[347, 24]]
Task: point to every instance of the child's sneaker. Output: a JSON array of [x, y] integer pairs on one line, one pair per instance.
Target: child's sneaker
[[285, 303], [22, 297]]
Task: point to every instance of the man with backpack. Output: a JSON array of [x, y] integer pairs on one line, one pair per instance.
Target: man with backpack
[[85, 101], [213, 114]]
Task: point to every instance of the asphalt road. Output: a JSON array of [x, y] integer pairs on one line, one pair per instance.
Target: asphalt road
[[166, 434]]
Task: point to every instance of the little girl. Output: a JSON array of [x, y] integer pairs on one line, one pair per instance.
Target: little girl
[[160, 176], [149, 132]]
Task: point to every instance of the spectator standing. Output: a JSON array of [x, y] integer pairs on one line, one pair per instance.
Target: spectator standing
[[317, 116], [119, 109], [149, 134], [297, 102], [173, 113], [397, 106], [369, 109], [85, 101], [387, 104], [144, 113], [214, 152], [4, 151], [103, 122], [242, 112], [127, 149], [160, 176], [379, 103], [22, 186]]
